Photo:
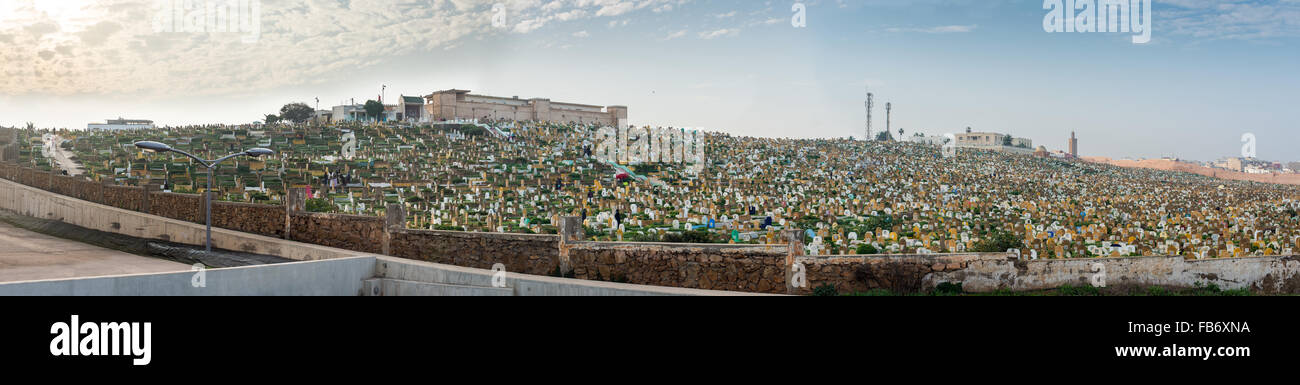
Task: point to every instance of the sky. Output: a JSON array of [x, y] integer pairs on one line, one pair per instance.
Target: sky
[[1211, 72]]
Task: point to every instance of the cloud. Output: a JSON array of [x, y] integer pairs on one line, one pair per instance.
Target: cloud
[[122, 46], [725, 32], [1227, 19]]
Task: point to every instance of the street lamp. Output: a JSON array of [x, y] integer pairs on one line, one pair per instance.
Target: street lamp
[[152, 146]]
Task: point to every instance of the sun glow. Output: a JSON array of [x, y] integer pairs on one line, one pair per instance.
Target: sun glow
[[68, 14]]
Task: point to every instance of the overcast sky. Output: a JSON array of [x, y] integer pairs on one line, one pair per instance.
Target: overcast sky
[[1212, 71]]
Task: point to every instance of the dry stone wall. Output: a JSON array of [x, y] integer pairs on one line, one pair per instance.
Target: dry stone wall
[[90, 191], [716, 267], [520, 253], [185, 207], [250, 218], [123, 197], [64, 185], [352, 232]]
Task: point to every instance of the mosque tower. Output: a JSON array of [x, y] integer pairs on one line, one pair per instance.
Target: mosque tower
[[1074, 146]]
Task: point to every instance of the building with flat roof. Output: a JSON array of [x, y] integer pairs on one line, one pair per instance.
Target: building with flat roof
[[348, 113], [121, 124], [996, 142], [411, 108], [460, 104]]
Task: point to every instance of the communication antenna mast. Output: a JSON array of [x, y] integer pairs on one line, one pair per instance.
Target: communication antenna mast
[[888, 107], [870, 104]]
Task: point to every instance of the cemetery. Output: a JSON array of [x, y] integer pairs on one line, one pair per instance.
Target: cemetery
[[507, 181]]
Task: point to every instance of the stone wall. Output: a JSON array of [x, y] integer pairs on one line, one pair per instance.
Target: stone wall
[[352, 232], [122, 197], [265, 220], [8, 170], [185, 207], [90, 191], [759, 269], [36, 178], [520, 253], [896, 273], [65, 185]]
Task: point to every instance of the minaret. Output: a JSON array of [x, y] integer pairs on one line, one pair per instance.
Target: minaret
[[1074, 146]]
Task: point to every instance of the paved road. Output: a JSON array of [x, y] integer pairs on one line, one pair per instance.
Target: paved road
[[60, 155], [25, 255]]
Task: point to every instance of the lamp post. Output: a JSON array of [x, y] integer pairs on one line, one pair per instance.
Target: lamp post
[[151, 146]]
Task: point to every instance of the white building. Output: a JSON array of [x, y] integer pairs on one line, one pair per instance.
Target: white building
[[995, 142], [122, 124], [930, 140]]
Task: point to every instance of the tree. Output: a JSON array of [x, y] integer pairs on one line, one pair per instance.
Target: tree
[[374, 109], [1006, 140], [883, 136], [296, 112], [272, 118]]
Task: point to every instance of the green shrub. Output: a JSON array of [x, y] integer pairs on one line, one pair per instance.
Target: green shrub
[[825, 290], [947, 288], [999, 242], [1085, 290], [1157, 291], [692, 236], [875, 293], [320, 205]]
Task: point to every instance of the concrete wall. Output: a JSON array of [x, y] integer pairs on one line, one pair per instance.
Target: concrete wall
[[404, 276], [362, 275], [338, 277]]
